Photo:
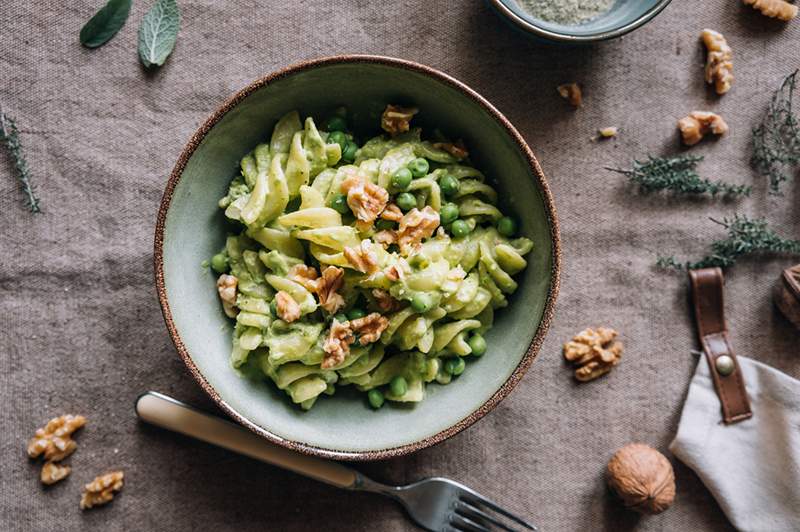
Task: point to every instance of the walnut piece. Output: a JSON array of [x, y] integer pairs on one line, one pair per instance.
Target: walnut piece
[[304, 275], [363, 257], [366, 199], [52, 473], [101, 490], [594, 351], [695, 126], [397, 271], [385, 237], [337, 344], [286, 307], [226, 287], [384, 300], [392, 213], [327, 287], [415, 226], [396, 119], [54, 441], [719, 67], [457, 149], [572, 93], [642, 477], [369, 328], [779, 9]]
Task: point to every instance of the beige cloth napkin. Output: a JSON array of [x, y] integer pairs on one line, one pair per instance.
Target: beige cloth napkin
[[752, 467]]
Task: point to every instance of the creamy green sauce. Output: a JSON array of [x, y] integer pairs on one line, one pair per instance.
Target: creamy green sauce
[[569, 12]]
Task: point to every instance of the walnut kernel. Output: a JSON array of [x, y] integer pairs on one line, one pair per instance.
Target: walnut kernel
[[779, 9], [384, 300], [304, 275], [101, 490], [52, 473], [363, 257], [286, 307], [392, 213], [695, 126], [327, 287], [366, 199], [572, 93], [719, 67], [337, 344], [642, 477], [396, 119], [369, 328], [456, 149], [594, 351], [415, 226], [54, 440], [226, 287]]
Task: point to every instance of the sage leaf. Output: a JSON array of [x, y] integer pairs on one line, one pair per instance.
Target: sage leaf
[[105, 23], [158, 32]]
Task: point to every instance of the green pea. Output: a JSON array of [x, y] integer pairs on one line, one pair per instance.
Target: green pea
[[383, 225], [506, 226], [398, 386], [339, 204], [477, 344], [448, 214], [455, 366], [273, 308], [459, 228], [449, 186], [340, 317], [402, 179], [421, 302], [375, 398], [349, 151], [406, 201], [419, 167], [355, 313], [219, 263], [338, 137], [337, 123]]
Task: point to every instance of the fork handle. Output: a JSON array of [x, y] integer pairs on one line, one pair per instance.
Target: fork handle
[[166, 412]]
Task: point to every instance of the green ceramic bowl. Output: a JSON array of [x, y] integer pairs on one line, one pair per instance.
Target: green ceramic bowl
[[191, 228]]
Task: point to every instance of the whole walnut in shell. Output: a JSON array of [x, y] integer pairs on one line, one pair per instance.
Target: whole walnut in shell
[[643, 478]]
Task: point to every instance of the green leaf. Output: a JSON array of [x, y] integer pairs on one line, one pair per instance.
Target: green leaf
[[105, 23], [158, 32]]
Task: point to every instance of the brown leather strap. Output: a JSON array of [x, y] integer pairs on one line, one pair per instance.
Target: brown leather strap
[[709, 311]]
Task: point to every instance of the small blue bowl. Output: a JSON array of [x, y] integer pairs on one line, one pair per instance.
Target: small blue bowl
[[624, 16]]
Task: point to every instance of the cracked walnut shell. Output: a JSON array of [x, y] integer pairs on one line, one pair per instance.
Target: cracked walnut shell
[[779, 9], [642, 477], [695, 126], [719, 67], [594, 351], [101, 490], [54, 440]]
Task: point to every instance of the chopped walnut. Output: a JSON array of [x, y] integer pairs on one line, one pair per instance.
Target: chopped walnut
[[594, 351], [572, 93], [369, 328], [396, 119], [304, 275], [397, 271], [385, 237], [774, 8], [54, 441], [457, 149], [384, 300], [366, 199], [101, 490], [415, 226], [607, 132], [695, 126], [287, 308], [52, 473], [327, 286], [719, 67], [363, 257], [392, 213], [337, 344], [226, 287]]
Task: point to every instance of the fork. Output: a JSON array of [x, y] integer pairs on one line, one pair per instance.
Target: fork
[[437, 504]]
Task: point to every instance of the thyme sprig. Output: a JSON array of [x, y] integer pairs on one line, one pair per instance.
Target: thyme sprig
[[9, 135], [746, 236], [677, 174], [776, 141]]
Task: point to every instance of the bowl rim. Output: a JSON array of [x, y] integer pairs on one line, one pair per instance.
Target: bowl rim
[[531, 27], [508, 385]]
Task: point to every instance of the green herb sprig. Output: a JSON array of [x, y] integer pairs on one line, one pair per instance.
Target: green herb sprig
[[677, 174], [9, 136], [776, 141], [745, 237]]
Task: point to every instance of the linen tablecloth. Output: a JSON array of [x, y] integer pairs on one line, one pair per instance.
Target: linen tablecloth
[[82, 331]]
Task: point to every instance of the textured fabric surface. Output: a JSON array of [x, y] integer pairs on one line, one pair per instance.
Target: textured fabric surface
[[762, 453], [81, 328]]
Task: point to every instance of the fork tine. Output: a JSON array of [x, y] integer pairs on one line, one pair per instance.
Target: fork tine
[[474, 512], [478, 499], [460, 522]]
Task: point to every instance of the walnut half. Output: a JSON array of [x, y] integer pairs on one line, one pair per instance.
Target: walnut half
[[101, 490], [54, 440], [396, 119], [778, 9], [719, 67], [695, 126], [594, 351], [52, 472]]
